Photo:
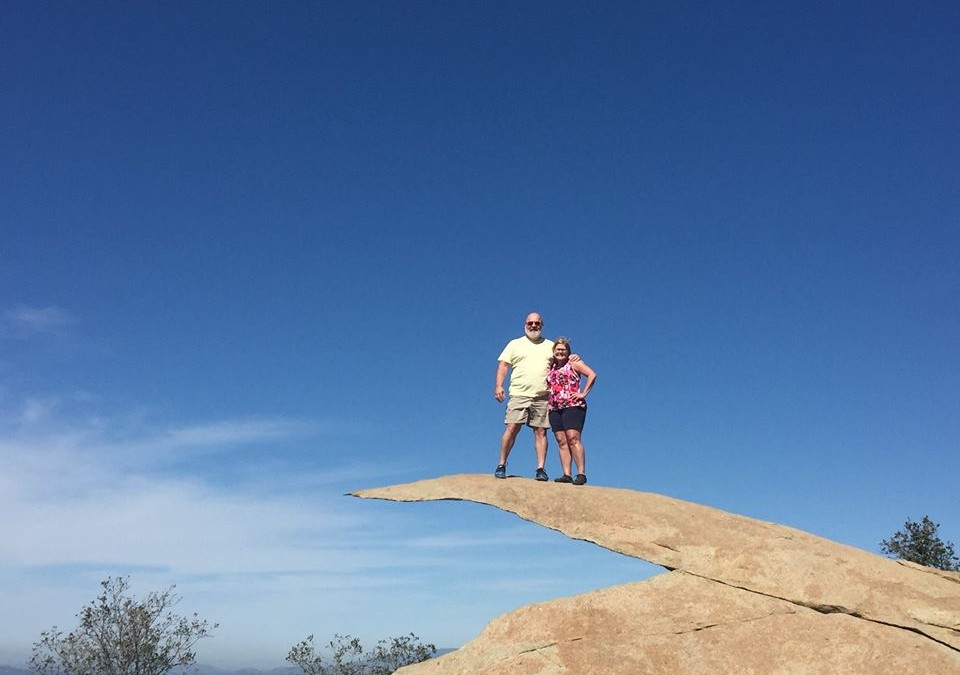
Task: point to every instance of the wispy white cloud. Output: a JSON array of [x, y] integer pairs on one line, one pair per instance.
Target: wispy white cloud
[[63, 444], [23, 321], [274, 552], [178, 525], [110, 500], [35, 410], [82, 499], [521, 535], [233, 432]]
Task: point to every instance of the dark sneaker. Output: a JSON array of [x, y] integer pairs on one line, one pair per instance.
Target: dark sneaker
[[565, 478], [580, 479], [501, 471], [542, 475]]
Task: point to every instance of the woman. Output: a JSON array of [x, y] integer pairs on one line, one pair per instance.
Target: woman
[[568, 408]]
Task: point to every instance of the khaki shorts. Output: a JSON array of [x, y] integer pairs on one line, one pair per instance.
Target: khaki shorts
[[530, 411]]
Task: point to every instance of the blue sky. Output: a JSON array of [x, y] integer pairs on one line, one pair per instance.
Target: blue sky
[[256, 255]]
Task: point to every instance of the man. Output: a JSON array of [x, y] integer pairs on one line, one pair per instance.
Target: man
[[529, 357]]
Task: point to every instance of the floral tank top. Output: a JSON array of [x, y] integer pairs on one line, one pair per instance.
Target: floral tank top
[[563, 383]]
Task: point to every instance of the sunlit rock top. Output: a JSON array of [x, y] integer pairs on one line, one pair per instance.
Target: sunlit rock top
[[742, 595]]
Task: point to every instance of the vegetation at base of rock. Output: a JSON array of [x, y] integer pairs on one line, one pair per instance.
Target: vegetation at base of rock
[[346, 656], [120, 635], [919, 542]]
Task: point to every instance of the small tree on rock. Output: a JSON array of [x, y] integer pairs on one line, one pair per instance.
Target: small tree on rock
[[120, 635], [919, 543], [346, 656]]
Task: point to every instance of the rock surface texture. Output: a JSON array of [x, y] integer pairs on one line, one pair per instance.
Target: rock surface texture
[[742, 596]]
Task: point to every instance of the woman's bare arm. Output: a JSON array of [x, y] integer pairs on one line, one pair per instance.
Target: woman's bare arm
[[582, 368]]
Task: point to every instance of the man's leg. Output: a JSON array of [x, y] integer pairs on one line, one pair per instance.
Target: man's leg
[[539, 422], [507, 440], [540, 445]]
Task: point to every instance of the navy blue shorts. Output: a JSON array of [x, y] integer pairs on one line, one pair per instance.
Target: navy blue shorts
[[568, 419]]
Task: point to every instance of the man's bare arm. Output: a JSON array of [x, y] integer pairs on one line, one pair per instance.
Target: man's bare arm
[[498, 393]]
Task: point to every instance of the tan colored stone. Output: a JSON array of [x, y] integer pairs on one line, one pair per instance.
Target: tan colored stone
[[747, 596]]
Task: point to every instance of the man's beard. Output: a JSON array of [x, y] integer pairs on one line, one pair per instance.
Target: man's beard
[[533, 334]]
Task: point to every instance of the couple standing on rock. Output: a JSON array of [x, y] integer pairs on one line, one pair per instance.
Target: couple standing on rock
[[544, 392]]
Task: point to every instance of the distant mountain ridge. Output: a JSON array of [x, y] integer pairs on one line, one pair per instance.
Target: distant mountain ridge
[[198, 670], [213, 670]]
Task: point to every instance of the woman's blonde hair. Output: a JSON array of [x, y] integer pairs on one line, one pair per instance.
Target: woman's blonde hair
[[560, 341]]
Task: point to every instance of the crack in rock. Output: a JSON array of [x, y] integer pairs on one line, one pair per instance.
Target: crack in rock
[[549, 645], [662, 545], [830, 609], [724, 624]]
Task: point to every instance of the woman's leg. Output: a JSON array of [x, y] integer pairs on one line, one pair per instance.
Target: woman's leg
[[575, 450], [564, 451]]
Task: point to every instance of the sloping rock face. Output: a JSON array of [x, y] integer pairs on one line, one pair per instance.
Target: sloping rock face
[[742, 596]]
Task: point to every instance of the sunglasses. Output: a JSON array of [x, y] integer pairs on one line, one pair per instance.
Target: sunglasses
[[535, 324]]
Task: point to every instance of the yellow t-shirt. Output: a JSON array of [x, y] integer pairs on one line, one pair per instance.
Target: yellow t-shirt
[[530, 362]]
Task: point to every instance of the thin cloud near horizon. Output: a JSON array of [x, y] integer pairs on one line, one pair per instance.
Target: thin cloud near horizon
[[24, 321]]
